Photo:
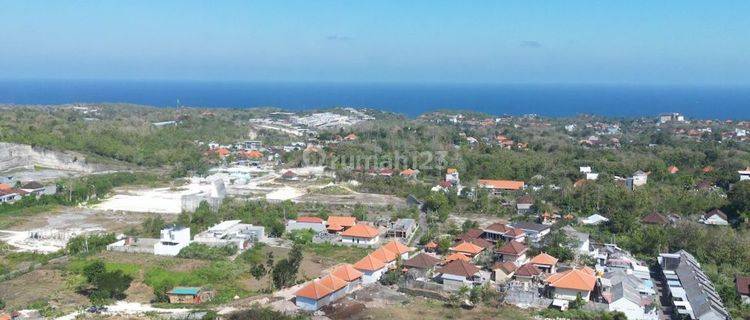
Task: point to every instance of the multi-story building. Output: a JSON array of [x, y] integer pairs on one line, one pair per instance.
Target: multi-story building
[[690, 291]]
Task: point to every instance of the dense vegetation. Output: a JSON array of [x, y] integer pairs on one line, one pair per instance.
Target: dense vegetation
[[549, 164]]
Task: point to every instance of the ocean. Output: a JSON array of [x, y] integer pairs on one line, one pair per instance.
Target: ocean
[[409, 99]]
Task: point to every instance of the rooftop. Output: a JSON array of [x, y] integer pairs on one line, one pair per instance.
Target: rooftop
[[459, 268]]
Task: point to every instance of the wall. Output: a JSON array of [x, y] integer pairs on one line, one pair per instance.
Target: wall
[[19, 156]]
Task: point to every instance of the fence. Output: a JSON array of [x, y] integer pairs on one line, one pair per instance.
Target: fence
[[425, 289]]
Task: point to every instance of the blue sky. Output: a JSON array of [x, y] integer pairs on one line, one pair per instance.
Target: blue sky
[[651, 42]]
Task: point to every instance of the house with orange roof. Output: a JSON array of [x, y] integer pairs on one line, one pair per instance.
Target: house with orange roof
[[567, 285], [386, 256], [254, 154], [351, 137], [361, 234], [544, 262], [501, 232], [306, 223], [348, 273], [513, 251], [313, 296], [467, 248], [430, 246], [457, 273], [496, 231], [456, 256], [409, 173], [673, 169], [398, 248], [451, 176], [502, 271], [223, 152], [527, 273], [497, 187], [337, 285], [372, 269], [340, 223], [422, 264]]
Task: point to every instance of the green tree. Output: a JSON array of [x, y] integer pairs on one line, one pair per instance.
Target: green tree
[[152, 226], [103, 285], [739, 199]]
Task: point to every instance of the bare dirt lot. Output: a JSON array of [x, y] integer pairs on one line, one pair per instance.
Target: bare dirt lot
[[44, 284], [367, 199], [417, 308]]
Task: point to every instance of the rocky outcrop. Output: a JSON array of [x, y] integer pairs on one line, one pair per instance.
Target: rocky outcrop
[[24, 157]]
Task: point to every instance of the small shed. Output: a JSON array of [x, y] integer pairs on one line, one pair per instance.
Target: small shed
[[189, 295]]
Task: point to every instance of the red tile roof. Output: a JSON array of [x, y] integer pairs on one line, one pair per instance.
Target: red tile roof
[[507, 267], [422, 261], [501, 184], [498, 227], [343, 221], [346, 272], [457, 256], [314, 290], [459, 268], [528, 270], [512, 248], [369, 263], [397, 247], [576, 279], [467, 248], [361, 231], [544, 259], [333, 282], [384, 255], [309, 220]]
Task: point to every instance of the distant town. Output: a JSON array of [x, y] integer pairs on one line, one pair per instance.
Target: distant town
[[125, 211]]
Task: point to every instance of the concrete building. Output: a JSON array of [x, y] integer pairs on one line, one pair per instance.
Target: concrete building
[[172, 240], [361, 234], [372, 269], [715, 217], [457, 273], [231, 232], [533, 231], [402, 228], [671, 117], [214, 197], [306, 223], [744, 174], [581, 245], [189, 295], [524, 204], [690, 291], [567, 285], [640, 178]]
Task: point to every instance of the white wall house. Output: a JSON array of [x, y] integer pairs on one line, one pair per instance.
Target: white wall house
[[231, 232], [9, 197], [744, 174], [714, 217], [306, 223], [640, 178], [361, 234], [172, 240]]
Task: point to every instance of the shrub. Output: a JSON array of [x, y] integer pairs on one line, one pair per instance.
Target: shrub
[[205, 252]]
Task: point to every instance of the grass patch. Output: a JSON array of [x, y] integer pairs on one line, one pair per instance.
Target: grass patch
[[337, 253]]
